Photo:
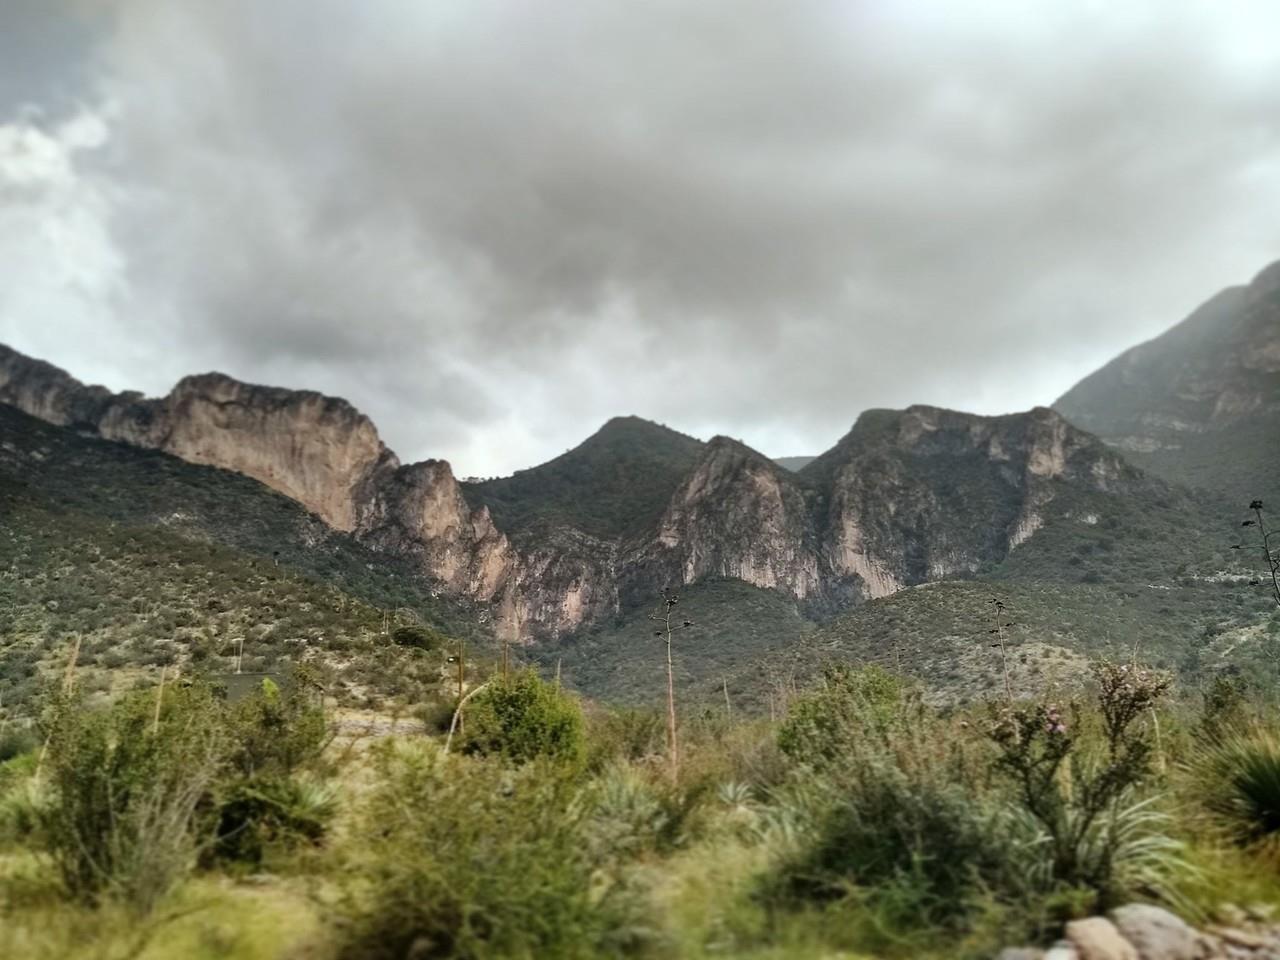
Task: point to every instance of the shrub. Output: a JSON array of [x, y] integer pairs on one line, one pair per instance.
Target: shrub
[[1237, 779], [523, 717], [900, 814], [627, 734], [125, 790], [420, 638], [1226, 706], [1078, 790], [255, 815], [276, 733], [16, 741], [23, 799], [821, 727], [280, 730], [464, 858]]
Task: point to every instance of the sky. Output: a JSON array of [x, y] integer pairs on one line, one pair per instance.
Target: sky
[[493, 225]]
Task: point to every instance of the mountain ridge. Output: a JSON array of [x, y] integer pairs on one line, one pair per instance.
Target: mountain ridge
[[636, 509], [1200, 403]]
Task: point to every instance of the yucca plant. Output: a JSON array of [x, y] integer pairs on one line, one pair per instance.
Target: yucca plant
[[283, 812], [1239, 778]]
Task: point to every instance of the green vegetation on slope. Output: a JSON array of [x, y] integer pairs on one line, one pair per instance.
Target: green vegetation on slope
[[733, 623], [941, 632], [614, 484], [861, 823], [154, 561], [1202, 399]]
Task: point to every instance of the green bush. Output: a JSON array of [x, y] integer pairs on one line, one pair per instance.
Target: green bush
[[279, 730], [420, 638], [465, 858], [255, 815], [522, 718], [1237, 780], [626, 734], [16, 741], [898, 809], [823, 726], [1076, 776], [262, 803], [125, 789]]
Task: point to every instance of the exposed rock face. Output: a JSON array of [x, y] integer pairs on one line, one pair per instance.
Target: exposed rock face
[[925, 494], [1200, 403], [738, 515], [317, 450], [905, 498]]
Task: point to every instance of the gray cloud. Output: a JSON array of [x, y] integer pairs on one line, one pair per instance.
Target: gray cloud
[[494, 225]]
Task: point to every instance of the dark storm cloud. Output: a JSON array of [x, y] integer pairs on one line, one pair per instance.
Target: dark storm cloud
[[493, 225]]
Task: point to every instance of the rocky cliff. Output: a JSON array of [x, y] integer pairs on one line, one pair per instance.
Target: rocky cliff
[[1199, 404], [906, 497]]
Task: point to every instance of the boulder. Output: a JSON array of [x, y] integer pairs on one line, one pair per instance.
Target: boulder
[[1098, 939], [1156, 933]]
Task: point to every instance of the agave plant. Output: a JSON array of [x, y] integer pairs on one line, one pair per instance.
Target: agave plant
[[1240, 776]]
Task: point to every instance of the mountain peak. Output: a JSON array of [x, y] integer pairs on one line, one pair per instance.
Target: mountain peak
[[1199, 404]]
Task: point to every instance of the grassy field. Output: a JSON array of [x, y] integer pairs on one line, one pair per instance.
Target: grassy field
[[859, 823]]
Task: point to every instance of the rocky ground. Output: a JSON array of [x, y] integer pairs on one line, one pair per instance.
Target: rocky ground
[[1144, 932]]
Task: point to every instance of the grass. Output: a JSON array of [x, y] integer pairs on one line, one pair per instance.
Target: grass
[[646, 869], [210, 918]]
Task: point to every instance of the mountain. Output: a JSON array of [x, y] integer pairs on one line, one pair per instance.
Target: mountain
[[569, 556], [906, 497], [151, 560], [613, 485], [794, 464], [1199, 404]]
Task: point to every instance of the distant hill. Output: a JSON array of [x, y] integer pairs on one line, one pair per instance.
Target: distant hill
[[1199, 404], [614, 484], [794, 464]]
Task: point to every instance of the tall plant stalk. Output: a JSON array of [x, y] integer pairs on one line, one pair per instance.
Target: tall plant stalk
[[668, 628], [1272, 559], [1000, 642]]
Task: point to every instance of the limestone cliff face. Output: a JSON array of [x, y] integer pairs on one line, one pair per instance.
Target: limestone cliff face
[[739, 515], [906, 497], [926, 494], [317, 450]]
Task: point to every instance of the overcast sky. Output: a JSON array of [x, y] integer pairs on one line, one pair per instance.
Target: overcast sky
[[493, 225]]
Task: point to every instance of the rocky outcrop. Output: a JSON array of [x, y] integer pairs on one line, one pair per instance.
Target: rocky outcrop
[[1141, 931], [905, 498], [315, 449], [926, 494], [738, 515]]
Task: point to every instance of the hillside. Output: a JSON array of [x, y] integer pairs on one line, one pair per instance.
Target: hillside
[[621, 661], [155, 561], [614, 484], [1199, 404]]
